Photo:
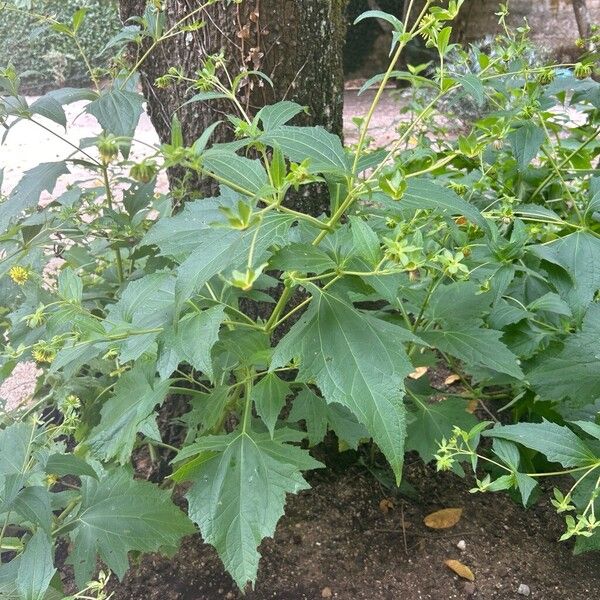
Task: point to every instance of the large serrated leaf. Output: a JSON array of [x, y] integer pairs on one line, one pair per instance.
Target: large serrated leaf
[[319, 416], [305, 258], [424, 193], [208, 410], [192, 342], [312, 409], [239, 494], [323, 149], [15, 446], [68, 464], [526, 142], [135, 397], [475, 346], [434, 421], [366, 243], [358, 362], [279, 114], [558, 443], [36, 568], [118, 112], [459, 301], [216, 250], [269, 396], [145, 304], [50, 105], [589, 427], [177, 236], [220, 249], [119, 514], [236, 172], [573, 372], [33, 505], [472, 86], [27, 192], [579, 255]]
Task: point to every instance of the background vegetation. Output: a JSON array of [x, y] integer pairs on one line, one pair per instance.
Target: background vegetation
[[47, 58]]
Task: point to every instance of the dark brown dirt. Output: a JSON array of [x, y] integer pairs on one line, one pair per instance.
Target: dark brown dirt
[[335, 541]]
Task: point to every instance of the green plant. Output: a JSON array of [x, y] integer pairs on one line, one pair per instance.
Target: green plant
[[44, 56], [476, 253]]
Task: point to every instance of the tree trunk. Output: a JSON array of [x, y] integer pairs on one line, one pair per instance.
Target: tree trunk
[[297, 43], [582, 16]]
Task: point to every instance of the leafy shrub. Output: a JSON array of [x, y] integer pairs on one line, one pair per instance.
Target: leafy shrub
[[49, 59], [477, 254]]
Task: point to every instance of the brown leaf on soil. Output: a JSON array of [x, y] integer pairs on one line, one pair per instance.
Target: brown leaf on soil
[[326, 592], [472, 406], [451, 379], [386, 505], [443, 519], [460, 569], [418, 372]]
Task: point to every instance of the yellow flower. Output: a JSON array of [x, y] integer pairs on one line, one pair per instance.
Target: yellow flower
[[19, 274]]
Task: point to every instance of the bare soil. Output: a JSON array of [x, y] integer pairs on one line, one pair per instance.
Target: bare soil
[[335, 542]]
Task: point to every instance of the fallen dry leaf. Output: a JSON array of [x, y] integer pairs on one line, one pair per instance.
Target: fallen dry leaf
[[326, 592], [460, 569], [418, 372], [472, 406], [451, 379], [443, 519], [386, 505]]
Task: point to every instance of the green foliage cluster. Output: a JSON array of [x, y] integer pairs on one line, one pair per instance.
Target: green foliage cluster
[[476, 253], [46, 58]]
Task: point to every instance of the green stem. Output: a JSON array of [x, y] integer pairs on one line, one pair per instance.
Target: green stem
[[304, 217], [564, 162], [558, 172], [34, 407], [86, 61], [352, 195], [283, 300], [109, 199], [3, 532], [432, 288], [252, 248], [304, 303], [63, 515], [247, 405], [290, 313], [153, 443], [367, 121], [68, 509], [169, 33]]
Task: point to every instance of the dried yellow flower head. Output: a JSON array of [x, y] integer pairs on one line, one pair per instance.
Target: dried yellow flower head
[[19, 274], [43, 352]]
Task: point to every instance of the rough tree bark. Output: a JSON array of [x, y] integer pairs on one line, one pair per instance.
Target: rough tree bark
[[582, 16], [298, 43]]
